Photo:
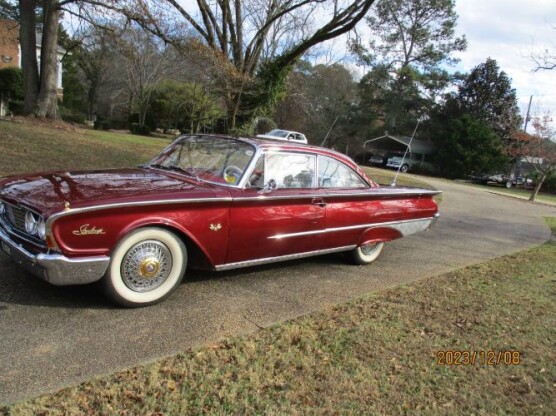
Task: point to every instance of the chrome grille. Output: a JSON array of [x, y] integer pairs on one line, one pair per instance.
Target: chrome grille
[[16, 216], [13, 221]]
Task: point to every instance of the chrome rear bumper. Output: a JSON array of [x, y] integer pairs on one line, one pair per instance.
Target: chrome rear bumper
[[56, 269]]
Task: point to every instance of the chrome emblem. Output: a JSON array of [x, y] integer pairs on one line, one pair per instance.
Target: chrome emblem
[[215, 227], [85, 230]]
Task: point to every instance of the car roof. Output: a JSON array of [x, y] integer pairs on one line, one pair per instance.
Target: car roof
[[283, 145], [289, 146], [289, 131]]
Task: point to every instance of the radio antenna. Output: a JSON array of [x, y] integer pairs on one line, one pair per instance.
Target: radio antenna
[[331, 127], [405, 153]]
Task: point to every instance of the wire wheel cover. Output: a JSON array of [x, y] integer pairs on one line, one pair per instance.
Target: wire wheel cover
[[368, 249], [146, 266]]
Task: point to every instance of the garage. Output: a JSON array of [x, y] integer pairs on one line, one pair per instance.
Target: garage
[[388, 151]]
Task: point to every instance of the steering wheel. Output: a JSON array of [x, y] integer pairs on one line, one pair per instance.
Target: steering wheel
[[232, 171]]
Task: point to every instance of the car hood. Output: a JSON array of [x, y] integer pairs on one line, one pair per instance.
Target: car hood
[[52, 192]]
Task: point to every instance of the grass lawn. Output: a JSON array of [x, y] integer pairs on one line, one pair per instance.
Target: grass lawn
[[375, 355], [34, 146], [518, 193], [386, 176]]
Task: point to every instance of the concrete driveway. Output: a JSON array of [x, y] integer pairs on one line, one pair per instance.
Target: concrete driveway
[[51, 337]]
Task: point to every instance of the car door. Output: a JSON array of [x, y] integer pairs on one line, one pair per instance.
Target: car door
[[349, 204], [268, 223]]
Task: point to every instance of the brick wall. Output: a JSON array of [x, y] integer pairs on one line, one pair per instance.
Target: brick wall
[[9, 41]]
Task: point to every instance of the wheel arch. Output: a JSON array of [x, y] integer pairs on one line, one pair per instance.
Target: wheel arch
[[379, 235], [198, 256]]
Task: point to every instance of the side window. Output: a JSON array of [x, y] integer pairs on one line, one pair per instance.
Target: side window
[[256, 180], [290, 170], [334, 174]]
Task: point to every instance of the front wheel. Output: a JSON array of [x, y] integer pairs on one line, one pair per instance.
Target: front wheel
[[404, 168], [366, 253], [146, 266]]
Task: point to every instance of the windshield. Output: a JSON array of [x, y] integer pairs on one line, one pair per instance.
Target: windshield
[[278, 133], [211, 159]]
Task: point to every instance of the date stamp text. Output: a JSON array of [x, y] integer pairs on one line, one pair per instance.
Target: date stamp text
[[463, 357]]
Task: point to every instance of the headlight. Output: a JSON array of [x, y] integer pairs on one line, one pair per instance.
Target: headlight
[[41, 229], [31, 223]]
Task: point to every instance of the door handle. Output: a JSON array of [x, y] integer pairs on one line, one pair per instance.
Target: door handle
[[318, 201]]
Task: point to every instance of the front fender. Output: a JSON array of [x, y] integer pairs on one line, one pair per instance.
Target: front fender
[[96, 233]]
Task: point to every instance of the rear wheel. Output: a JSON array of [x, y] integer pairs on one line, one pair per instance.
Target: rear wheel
[[145, 267], [366, 253]]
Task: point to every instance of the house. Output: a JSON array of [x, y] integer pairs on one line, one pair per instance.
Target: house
[[10, 54], [395, 151]]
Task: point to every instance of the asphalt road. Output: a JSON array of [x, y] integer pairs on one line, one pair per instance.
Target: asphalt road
[[51, 337]]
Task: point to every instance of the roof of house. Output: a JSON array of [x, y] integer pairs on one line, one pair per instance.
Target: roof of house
[[415, 145]]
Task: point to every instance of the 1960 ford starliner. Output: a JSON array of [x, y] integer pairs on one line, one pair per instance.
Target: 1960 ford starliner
[[208, 202]]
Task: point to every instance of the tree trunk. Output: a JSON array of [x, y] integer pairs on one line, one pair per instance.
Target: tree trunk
[[92, 98], [142, 113], [47, 103], [537, 187], [28, 41]]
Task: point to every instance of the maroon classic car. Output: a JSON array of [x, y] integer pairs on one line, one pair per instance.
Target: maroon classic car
[[208, 202]]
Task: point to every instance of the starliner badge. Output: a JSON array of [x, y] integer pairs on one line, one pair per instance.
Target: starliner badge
[[215, 227], [85, 230]]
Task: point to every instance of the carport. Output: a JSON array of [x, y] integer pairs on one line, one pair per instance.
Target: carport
[[383, 147]]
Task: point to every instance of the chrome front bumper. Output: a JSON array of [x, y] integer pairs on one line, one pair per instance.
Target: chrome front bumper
[[55, 268]]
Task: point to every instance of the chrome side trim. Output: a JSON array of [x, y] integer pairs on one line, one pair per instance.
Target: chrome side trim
[[371, 193], [405, 227], [257, 262], [72, 211], [56, 268]]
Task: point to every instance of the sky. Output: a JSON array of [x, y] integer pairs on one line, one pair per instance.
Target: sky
[[509, 31]]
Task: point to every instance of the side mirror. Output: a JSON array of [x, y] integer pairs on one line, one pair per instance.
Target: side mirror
[[269, 187]]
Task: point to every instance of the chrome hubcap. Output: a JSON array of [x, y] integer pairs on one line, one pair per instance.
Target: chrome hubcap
[[368, 249], [146, 266]]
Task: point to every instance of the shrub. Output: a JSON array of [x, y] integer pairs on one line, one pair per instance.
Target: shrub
[[103, 125], [11, 83], [71, 116], [263, 125], [135, 128], [15, 107], [423, 167]]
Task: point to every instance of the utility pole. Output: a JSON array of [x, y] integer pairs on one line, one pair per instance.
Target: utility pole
[[527, 116]]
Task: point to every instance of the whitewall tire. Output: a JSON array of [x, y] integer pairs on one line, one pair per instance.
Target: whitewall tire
[[366, 253], [145, 267]]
